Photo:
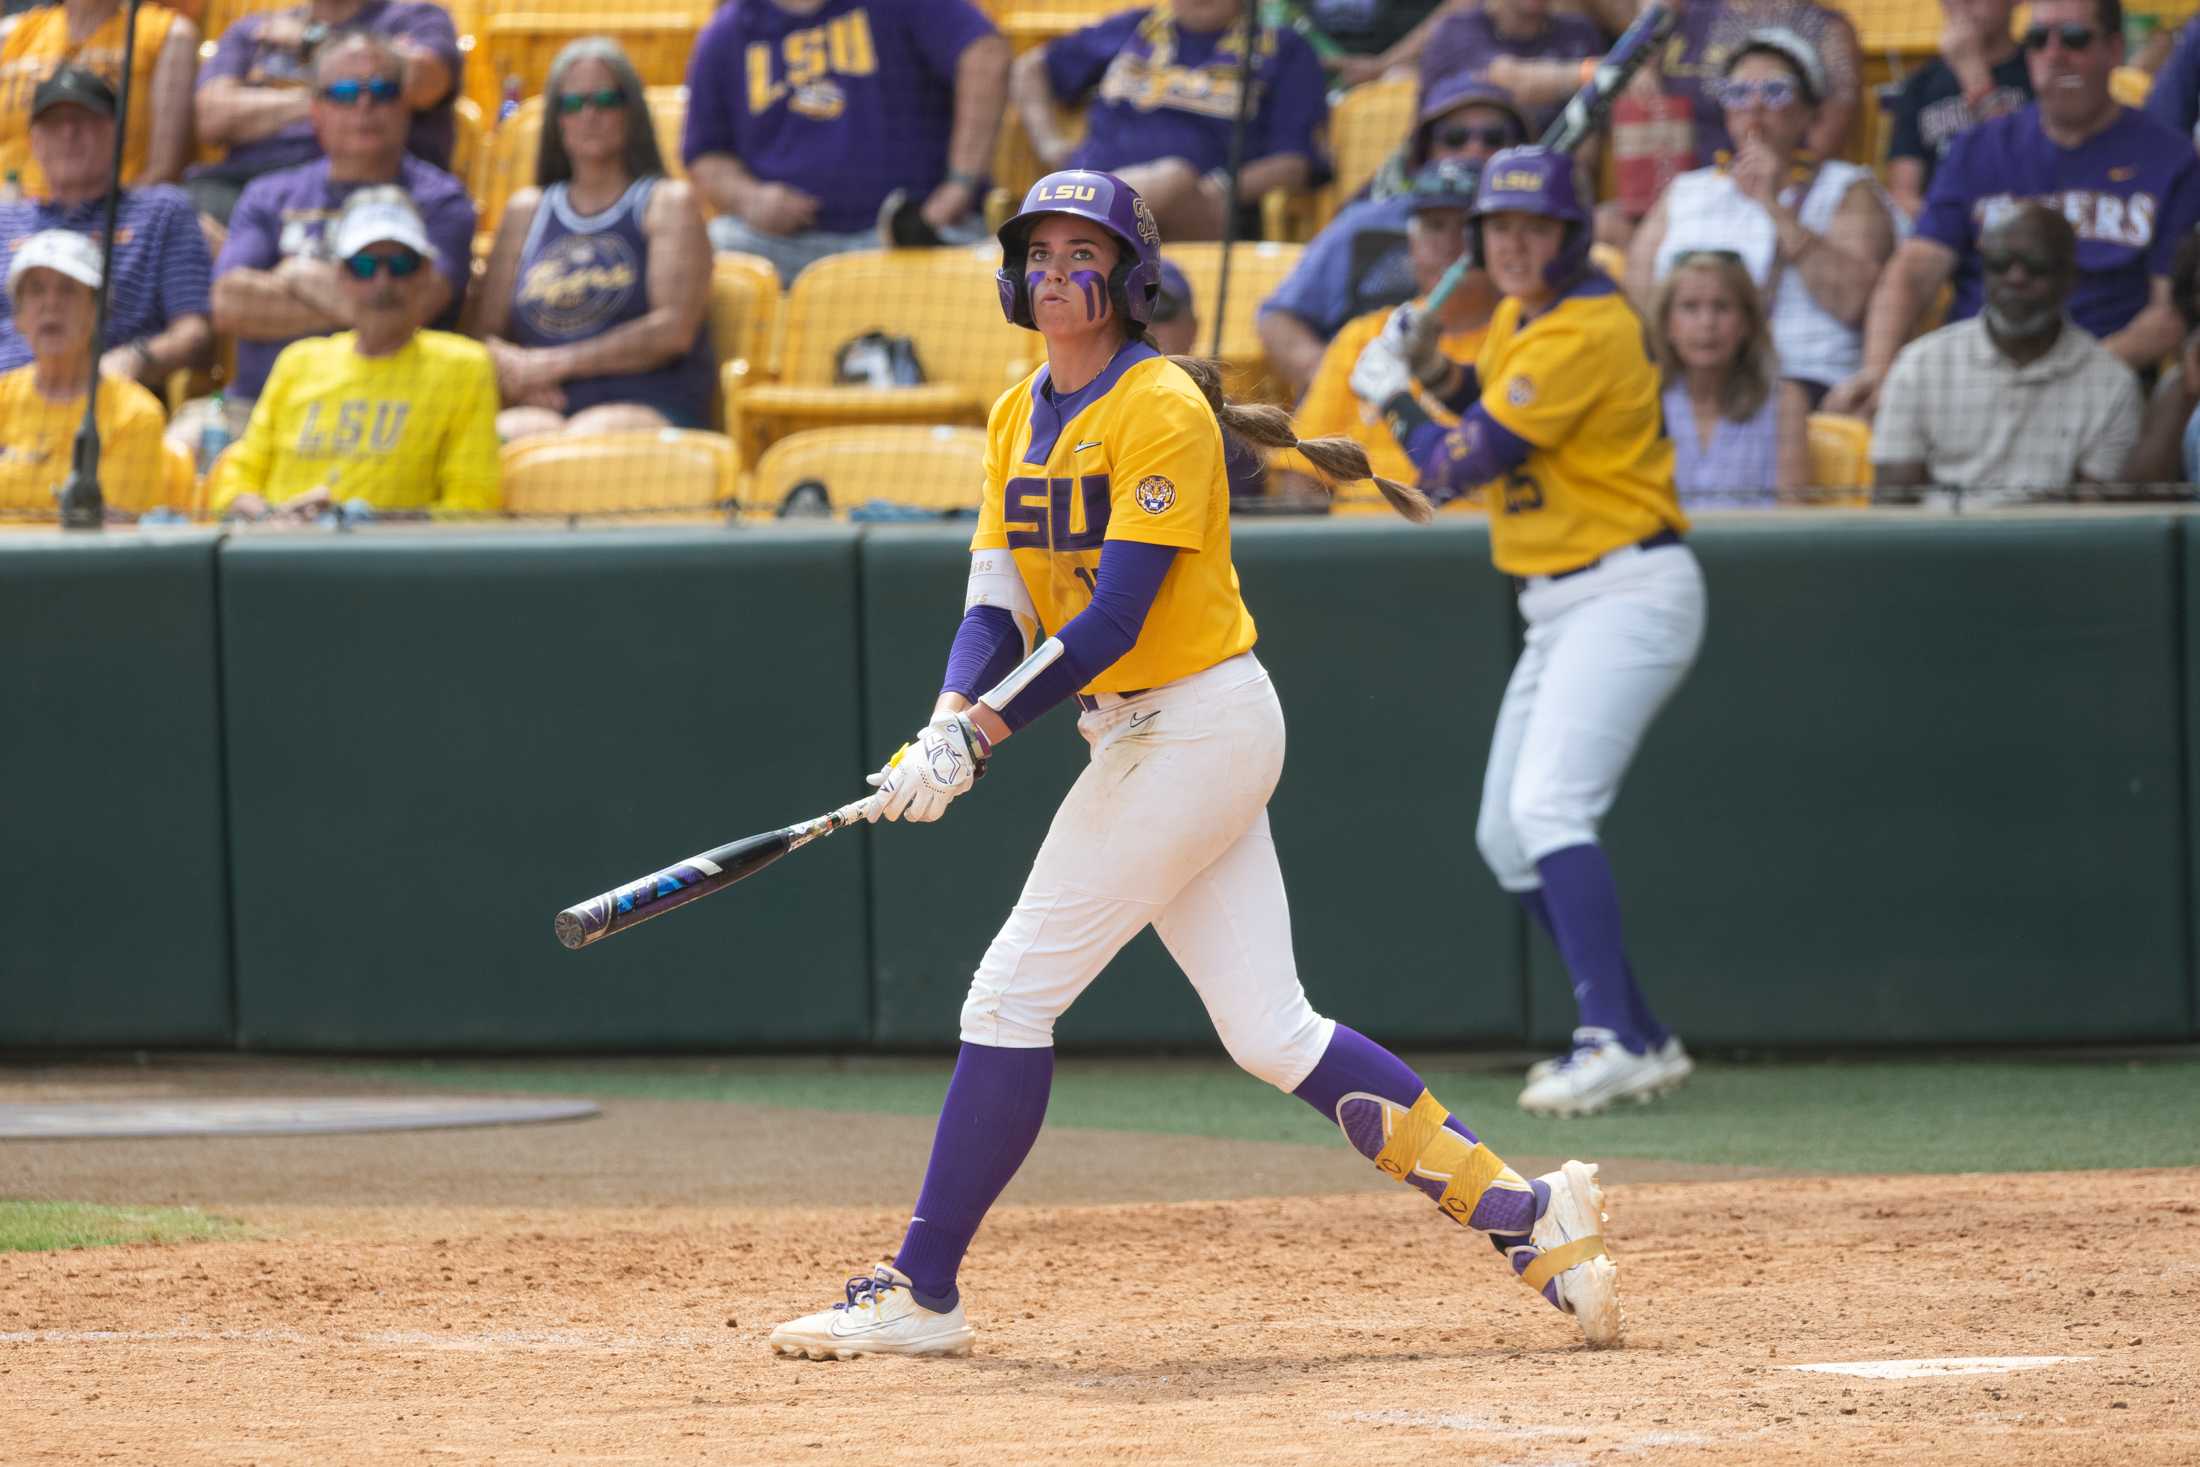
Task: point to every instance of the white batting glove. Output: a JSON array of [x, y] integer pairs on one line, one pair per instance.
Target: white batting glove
[[1380, 374], [925, 774], [1412, 334]]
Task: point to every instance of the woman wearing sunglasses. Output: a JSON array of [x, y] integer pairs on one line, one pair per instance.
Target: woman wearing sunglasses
[[1814, 235], [383, 418], [599, 280]]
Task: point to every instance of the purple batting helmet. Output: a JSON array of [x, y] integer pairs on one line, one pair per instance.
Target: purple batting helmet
[[1537, 180], [1108, 202]]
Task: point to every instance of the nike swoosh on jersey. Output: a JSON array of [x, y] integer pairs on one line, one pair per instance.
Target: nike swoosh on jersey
[[1088, 443]]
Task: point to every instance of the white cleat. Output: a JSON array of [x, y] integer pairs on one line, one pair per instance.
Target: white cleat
[[1673, 1060], [881, 1317], [1600, 1071], [1566, 1251]]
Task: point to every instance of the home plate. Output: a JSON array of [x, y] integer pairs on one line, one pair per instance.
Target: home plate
[[107, 1119], [1946, 1365]]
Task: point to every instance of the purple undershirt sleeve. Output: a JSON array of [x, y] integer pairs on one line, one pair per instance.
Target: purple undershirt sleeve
[[1097, 637], [987, 648], [1453, 461]]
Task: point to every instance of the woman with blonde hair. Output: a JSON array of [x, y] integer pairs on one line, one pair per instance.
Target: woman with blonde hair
[[597, 286], [1738, 429]]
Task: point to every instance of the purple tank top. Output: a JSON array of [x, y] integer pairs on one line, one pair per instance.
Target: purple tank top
[[1739, 467], [579, 276]]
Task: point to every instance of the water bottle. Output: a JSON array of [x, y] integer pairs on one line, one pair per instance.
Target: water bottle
[[214, 436], [510, 105]]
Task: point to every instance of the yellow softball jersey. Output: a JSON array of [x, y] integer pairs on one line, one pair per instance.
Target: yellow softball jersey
[[1577, 384], [1135, 454]]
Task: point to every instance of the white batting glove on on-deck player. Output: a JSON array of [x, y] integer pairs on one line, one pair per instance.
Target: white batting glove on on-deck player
[[1381, 373], [1412, 333], [925, 774]]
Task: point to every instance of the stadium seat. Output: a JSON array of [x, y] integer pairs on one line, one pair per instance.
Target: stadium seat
[[744, 316], [1016, 165], [2129, 85], [468, 137], [1896, 27], [507, 164], [1029, 23], [1257, 267], [942, 301], [1840, 459], [180, 475], [904, 464], [658, 40], [1370, 122], [618, 473]]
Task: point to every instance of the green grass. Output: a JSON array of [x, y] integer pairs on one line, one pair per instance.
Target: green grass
[[1925, 1115], [30, 1227]]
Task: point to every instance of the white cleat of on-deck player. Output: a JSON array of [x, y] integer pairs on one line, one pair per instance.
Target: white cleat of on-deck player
[[879, 1317]]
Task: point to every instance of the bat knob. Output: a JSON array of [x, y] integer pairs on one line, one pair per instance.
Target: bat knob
[[573, 933]]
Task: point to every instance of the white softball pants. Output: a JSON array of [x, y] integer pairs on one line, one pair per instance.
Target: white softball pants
[[1167, 825], [1605, 650]]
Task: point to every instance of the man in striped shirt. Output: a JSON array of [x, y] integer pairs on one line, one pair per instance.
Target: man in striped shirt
[[158, 306]]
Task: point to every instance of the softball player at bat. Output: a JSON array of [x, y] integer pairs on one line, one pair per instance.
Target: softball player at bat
[[1106, 523], [1560, 417]]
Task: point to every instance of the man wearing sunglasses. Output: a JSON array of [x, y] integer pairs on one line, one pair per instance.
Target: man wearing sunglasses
[[276, 278], [1359, 262], [255, 96], [384, 416], [2017, 403], [2128, 185]]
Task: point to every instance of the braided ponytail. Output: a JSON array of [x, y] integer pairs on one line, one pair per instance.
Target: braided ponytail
[[1337, 459]]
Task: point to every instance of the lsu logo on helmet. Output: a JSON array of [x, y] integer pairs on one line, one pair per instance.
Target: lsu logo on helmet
[[1053, 193]]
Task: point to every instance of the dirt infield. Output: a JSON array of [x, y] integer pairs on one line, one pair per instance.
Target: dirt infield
[[601, 1291]]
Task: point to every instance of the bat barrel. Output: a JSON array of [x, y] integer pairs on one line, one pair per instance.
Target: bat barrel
[[657, 893]]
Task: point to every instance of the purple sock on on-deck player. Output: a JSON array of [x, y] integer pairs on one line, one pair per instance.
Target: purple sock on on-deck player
[[994, 1107], [1355, 1062], [1641, 1019], [1583, 902]]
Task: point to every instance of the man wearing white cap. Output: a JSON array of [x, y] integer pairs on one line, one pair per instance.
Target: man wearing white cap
[[53, 281], [386, 413]]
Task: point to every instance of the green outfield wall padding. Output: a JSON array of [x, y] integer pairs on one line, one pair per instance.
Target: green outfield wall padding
[[1923, 786], [113, 892], [1386, 644], [437, 742], [2188, 540]]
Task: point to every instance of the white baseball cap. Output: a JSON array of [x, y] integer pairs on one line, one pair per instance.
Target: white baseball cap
[[61, 250], [380, 215]]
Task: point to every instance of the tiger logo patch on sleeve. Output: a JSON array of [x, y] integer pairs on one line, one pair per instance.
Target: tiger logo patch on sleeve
[[1156, 494]]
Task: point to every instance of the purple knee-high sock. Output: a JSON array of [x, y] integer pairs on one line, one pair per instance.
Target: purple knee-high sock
[[1355, 1062], [1640, 1018], [1583, 904], [992, 1114]]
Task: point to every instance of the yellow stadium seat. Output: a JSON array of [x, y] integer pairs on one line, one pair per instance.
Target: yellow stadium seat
[[744, 316], [1840, 459], [180, 477], [467, 138], [1899, 27], [1016, 164], [1370, 122], [1257, 267], [507, 163], [618, 473], [937, 468], [943, 301], [1029, 23], [522, 44], [2129, 85]]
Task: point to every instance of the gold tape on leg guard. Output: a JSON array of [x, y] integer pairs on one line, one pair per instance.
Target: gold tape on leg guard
[[1482, 1167], [1552, 1262], [1416, 1129]]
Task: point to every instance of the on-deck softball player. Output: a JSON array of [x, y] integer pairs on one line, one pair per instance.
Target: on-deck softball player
[[1106, 523], [1561, 418]]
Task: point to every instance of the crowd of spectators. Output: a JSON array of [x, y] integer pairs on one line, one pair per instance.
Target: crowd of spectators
[[1995, 289]]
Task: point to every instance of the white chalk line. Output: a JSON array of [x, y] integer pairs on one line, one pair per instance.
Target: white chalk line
[[384, 1339], [1641, 1441], [1940, 1368]]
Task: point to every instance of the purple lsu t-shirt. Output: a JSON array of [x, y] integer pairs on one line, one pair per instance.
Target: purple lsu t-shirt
[[1466, 41], [2131, 191], [1165, 92], [240, 55], [847, 103], [288, 212]]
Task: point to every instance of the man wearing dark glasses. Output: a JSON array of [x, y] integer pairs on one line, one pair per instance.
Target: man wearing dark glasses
[[384, 418], [1358, 263], [2018, 403], [2128, 185], [255, 96], [276, 278]]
